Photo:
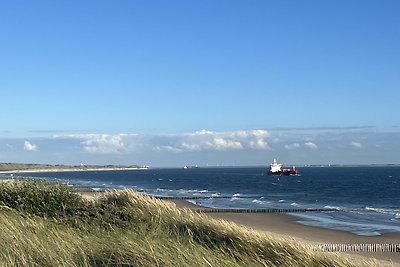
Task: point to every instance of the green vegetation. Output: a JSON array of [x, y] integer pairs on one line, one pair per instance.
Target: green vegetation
[[7, 166], [47, 224]]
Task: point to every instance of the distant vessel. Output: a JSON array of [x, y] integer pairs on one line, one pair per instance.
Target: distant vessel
[[190, 167], [276, 169]]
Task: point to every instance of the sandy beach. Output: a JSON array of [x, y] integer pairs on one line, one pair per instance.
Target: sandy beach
[[286, 226]]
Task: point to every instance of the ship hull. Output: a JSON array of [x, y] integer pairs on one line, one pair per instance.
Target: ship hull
[[284, 172]]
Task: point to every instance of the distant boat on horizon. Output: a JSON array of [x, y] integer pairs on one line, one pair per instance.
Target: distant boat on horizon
[[190, 167], [276, 169]]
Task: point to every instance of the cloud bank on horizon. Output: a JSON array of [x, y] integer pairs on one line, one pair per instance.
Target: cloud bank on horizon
[[205, 147]]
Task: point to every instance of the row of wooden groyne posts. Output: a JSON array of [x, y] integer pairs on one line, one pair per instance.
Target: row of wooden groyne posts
[[356, 247], [230, 210], [214, 210]]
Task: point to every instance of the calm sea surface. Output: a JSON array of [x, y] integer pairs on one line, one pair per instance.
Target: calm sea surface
[[366, 199]]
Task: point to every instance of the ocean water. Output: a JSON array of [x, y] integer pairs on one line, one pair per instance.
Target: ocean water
[[365, 200]]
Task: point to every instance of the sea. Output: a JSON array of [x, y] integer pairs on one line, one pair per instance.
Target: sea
[[361, 200]]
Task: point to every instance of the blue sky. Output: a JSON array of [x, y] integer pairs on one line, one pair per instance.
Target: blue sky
[[170, 83]]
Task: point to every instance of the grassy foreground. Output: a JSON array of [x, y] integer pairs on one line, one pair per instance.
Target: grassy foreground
[[47, 224]]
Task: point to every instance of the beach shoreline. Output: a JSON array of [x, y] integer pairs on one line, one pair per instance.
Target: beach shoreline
[[287, 226]]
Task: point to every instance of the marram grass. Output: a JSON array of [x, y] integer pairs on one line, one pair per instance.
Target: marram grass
[[47, 224]]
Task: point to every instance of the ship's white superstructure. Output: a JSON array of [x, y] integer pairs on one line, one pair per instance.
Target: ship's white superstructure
[[275, 167]]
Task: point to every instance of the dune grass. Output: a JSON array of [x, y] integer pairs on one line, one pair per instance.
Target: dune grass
[[47, 224]]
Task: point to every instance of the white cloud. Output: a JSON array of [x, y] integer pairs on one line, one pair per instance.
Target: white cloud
[[308, 138], [311, 145], [356, 144], [186, 146], [292, 146], [203, 132], [224, 144], [103, 144], [167, 148], [206, 140], [235, 140], [29, 146], [259, 144]]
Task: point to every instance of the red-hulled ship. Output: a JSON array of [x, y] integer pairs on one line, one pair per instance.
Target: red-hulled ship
[[276, 169]]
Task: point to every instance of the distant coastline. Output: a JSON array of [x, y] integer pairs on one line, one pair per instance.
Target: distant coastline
[[26, 168], [350, 165]]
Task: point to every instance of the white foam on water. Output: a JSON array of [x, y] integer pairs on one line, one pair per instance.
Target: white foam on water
[[261, 202], [382, 210], [358, 228], [335, 207]]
